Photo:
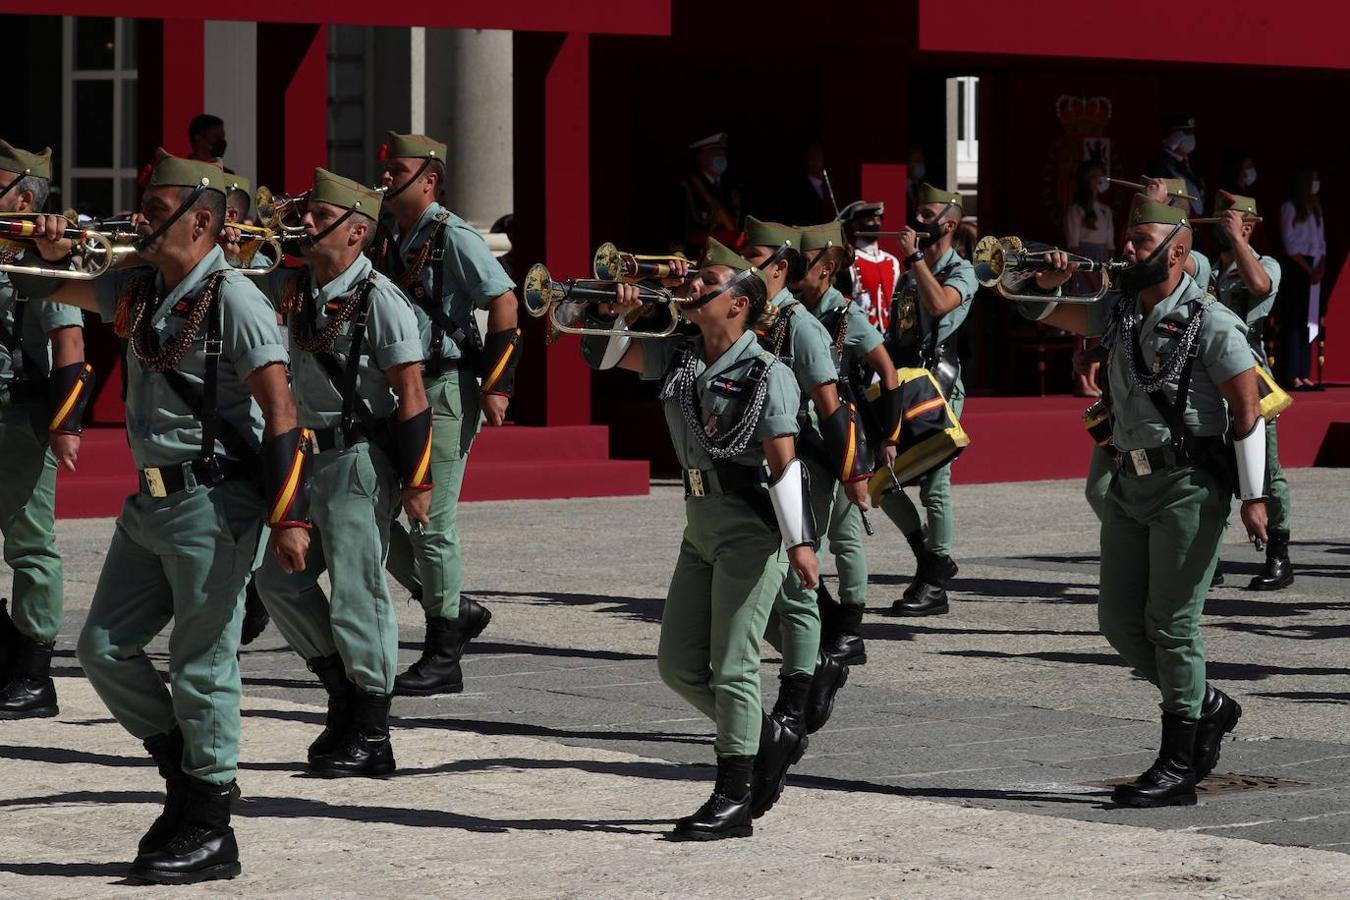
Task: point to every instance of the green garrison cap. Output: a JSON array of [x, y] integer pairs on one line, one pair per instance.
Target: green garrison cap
[[348, 194], [21, 162], [929, 194], [821, 237], [1228, 200], [1144, 211], [770, 234], [172, 171], [717, 254], [417, 146], [235, 182]]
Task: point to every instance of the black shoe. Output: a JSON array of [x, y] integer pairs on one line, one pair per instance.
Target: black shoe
[[438, 671], [726, 814], [255, 616], [782, 741], [839, 629], [829, 677], [1217, 580], [916, 544], [931, 600], [203, 848], [1279, 571], [365, 751], [1170, 781], [1219, 715], [29, 692], [9, 641], [167, 752], [333, 676]]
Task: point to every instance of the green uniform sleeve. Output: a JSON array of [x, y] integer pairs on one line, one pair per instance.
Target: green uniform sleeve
[[469, 263], [781, 402], [56, 315], [391, 330], [1262, 306], [812, 359], [1203, 269], [108, 288], [862, 337], [657, 356], [249, 333], [962, 278], [1224, 351]]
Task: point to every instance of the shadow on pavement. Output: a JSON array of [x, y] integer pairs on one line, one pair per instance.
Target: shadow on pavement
[[1218, 670], [67, 870]]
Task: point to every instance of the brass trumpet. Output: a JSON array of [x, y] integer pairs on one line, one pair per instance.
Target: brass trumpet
[[253, 238], [273, 210], [95, 249], [543, 297], [612, 264], [1005, 264]]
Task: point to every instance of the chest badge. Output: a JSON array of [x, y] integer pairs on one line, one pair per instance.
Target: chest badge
[[711, 427]]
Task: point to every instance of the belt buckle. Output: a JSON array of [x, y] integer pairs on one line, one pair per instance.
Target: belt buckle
[[155, 481], [696, 488], [1139, 462]]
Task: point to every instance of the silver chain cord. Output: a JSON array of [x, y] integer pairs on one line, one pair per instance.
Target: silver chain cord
[[1170, 367], [683, 386]]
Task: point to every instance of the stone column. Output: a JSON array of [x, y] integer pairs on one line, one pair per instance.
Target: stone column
[[232, 92]]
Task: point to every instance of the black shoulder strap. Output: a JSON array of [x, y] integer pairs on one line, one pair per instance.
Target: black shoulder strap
[[1174, 413], [13, 343], [343, 378]]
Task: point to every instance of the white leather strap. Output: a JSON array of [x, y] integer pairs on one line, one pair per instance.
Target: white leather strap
[[617, 346], [791, 496], [1251, 462]]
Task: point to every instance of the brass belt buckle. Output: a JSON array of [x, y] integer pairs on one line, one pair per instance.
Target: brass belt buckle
[[696, 488], [155, 482], [1139, 460]]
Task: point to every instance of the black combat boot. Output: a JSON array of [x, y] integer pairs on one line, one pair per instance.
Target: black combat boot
[[167, 752], [203, 848], [927, 593], [341, 693], [9, 640], [1170, 781], [437, 671], [365, 751], [917, 545], [726, 814], [1279, 571], [255, 616], [1217, 580], [829, 677], [782, 741], [1219, 714], [840, 628], [29, 693]]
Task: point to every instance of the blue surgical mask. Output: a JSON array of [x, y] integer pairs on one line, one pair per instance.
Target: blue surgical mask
[[718, 164], [1186, 144], [918, 170], [1247, 178]]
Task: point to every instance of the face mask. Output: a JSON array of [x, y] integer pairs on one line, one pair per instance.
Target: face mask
[[718, 165], [1317, 187], [1186, 144], [217, 149], [918, 170], [1150, 271], [930, 232], [1103, 184], [1247, 178]]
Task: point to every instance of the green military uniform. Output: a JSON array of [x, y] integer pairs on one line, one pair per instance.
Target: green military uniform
[[469, 278], [354, 489]]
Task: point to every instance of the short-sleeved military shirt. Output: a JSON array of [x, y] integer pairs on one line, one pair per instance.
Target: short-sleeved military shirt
[[1233, 292], [807, 354], [860, 337], [953, 271]]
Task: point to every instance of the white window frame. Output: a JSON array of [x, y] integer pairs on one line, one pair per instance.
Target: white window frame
[[967, 148], [122, 169]]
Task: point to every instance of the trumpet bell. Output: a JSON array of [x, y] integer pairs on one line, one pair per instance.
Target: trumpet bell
[[991, 256], [608, 263], [537, 292]]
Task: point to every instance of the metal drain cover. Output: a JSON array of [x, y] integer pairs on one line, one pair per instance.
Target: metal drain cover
[[1227, 783]]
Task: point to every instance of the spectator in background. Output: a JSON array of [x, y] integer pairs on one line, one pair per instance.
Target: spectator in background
[[808, 200], [1089, 230], [874, 273], [709, 201], [915, 173], [1174, 159], [206, 134], [1300, 299], [1240, 169]]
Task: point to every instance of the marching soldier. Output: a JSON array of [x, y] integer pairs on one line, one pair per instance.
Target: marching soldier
[[446, 269], [930, 304], [1180, 371], [209, 415], [732, 411], [44, 387], [356, 355], [1248, 283]]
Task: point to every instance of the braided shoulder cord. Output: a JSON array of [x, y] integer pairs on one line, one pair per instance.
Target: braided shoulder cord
[[1169, 368], [142, 299], [303, 318]]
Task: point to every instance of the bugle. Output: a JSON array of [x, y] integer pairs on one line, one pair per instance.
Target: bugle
[[1005, 264], [253, 238], [543, 296], [95, 250], [612, 264]]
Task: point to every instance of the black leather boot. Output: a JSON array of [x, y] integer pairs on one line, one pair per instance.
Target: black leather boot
[[1170, 781], [840, 628], [203, 848], [920, 550], [9, 640], [1278, 573], [1217, 580], [1219, 715], [29, 693], [437, 671], [726, 814], [256, 617], [782, 741], [927, 593], [341, 693], [167, 752], [365, 751], [829, 677]]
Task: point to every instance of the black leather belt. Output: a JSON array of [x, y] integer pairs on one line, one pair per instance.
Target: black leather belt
[[161, 481], [435, 368], [333, 438], [726, 479], [1138, 463]]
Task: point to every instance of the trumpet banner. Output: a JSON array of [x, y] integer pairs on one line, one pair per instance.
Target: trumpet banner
[[930, 434]]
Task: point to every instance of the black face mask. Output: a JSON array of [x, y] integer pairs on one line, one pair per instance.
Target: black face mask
[[1149, 271], [929, 232], [217, 149]]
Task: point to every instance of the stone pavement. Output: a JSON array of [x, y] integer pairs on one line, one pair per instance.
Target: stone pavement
[[969, 754]]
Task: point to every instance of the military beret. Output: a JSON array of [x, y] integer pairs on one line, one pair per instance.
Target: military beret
[[1228, 200], [239, 183], [1144, 211], [21, 162], [417, 146], [862, 209], [348, 194], [822, 237], [174, 171], [929, 194], [717, 254], [707, 143], [770, 234]]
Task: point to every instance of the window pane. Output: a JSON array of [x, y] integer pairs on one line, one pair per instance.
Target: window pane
[[126, 50], [128, 158], [92, 196], [92, 124], [94, 43], [130, 196]]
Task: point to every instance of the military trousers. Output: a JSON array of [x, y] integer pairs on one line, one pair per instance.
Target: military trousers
[[184, 558], [730, 568], [793, 628], [354, 495], [846, 544], [935, 495], [1101, 469], [28, 523], [431, 562], [1159, 545], [1278, 504]]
